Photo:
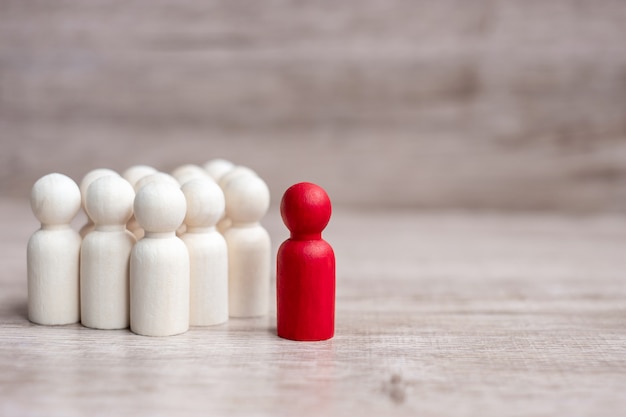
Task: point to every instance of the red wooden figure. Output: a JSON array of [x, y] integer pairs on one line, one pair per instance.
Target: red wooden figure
[[305, 275]]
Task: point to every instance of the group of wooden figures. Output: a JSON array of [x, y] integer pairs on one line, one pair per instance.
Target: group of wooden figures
[[161, 252]]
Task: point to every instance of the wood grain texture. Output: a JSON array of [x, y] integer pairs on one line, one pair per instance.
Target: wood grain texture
[[437, 314], [502, 104]]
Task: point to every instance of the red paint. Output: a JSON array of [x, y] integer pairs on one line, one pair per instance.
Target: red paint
[[305, 275]]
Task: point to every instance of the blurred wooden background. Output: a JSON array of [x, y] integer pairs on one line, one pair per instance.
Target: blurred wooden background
[[429, 104]]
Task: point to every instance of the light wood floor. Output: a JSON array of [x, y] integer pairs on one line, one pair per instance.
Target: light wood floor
[[437, 314]]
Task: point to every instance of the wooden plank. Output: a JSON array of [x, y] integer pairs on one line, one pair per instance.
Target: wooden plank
[[510, 104], [437, 314]]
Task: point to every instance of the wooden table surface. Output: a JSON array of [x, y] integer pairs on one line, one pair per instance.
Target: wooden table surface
[[437, 314]]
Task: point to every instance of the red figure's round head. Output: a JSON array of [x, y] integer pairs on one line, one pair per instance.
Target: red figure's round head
[[305, 209]]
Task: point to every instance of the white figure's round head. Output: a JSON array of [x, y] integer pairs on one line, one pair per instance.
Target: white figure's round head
[[236, 172], [109, 201], [247, 199], [188, 172], [218, 167], [90, 177], [137, 172], [160, 207], [160, 177], [205, 202], [55, 199]]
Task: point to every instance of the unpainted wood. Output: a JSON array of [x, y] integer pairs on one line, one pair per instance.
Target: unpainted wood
[[105, 254], [159, 263], [208, 253], [247, 200], [53, 252]]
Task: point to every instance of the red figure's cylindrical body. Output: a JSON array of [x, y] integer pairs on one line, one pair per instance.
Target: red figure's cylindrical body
[[305, 267], [305, 284]]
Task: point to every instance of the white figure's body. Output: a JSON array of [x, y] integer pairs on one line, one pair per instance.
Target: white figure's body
[[238, 171], [160, 177], [208, 254], [53, 253], [188, 172], [87, 180], [105, 255], [216, 168], [159, 264], [133, 175], [247, 200]]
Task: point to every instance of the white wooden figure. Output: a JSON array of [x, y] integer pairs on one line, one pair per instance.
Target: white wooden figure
[[105, 255], [238, 171], [247, 200], [53, 252], [235, 172], [218, 167], [161, 177], [159, 264], [133, 175], [137, 172], [89, 178], [208, 255], [185, 173]]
